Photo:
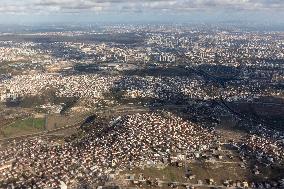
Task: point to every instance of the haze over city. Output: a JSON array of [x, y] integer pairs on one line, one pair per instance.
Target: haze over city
[[167, 11]]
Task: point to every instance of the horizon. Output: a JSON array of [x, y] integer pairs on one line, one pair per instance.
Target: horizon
[[124, 11]]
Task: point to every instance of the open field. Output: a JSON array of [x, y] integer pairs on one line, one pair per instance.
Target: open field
[[55, 121], [23, 127], [219, 171]]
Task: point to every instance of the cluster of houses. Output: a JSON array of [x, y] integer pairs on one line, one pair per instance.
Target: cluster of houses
[[93, 87], [266, 145], [84, 86], [150, 139]]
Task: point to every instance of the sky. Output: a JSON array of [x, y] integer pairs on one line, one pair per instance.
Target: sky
[[172, 11]]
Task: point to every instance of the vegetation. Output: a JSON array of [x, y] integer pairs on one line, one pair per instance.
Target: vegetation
[[22, 127]]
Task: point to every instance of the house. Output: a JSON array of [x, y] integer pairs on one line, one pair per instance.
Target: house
[[219, 156], [256, 172], [173, 184], [243, 166], [210, 181], [130, 177], [160, 183], [141, 178], [197, 154], [63, 185], [245, 184], [226, 183]]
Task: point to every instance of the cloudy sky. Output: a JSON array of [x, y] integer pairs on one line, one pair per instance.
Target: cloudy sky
[[140, 10]]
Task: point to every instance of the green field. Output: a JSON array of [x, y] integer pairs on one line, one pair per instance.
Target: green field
[[22, 127]]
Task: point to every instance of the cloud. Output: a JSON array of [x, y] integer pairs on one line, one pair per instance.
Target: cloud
[[79, 6]]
